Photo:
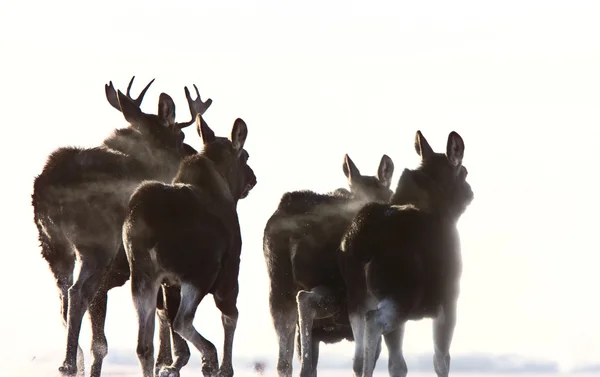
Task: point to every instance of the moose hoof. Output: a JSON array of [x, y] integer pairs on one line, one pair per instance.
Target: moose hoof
[[168, 372], [209, 366], [225, 371], [67, 370]]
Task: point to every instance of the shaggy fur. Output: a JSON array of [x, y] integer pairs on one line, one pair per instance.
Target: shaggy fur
[[79, 202], [187, 234], [300, 246], [401, 261]]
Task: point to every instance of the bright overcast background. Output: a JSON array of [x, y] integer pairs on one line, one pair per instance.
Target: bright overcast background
[[519, 80]]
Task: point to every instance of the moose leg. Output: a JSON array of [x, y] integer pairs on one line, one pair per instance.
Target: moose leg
[[229, 317], [97, 312], [61, 265], [314, 347], [285, 314], [315, 356], [181, 351], [357, 310], [357, 323], [396, 363], [383, 320], [93, 264], [443, 330], [317, 303], [377, 352], [164, 356], [183, 325], [143, 291]]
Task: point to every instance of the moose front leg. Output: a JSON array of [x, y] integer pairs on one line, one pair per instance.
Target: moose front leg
[[443, 330], [316, 303], [229, 317]]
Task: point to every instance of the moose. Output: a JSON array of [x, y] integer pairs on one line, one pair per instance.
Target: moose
[[401, 261], [187, 234], [300, 246], [79, 202], [177, 354]]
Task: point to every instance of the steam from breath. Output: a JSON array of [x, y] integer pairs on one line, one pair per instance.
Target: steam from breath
[[319, 222], [90, 208]]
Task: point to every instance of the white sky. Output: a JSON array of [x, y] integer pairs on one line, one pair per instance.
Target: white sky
[[519, 80]]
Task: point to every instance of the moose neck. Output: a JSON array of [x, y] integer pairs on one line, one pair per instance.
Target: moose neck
[[201, 173], [417, 189], [160, 164]]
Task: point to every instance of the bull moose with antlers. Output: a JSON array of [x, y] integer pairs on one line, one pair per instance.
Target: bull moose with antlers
[[80, 199]]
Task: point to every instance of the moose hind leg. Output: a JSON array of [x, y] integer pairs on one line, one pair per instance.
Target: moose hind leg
[[144, 290], [284, 312], [317, 303], [443, 330], [183, 325], [97, 313], [164, 357], [383, 320], [80, 295], [180, 349], [61, 261], [396, 363]]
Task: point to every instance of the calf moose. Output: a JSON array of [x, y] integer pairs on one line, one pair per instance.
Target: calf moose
[[188, 234], [401, 261], [173, 349], [300, 246], [79, 202]]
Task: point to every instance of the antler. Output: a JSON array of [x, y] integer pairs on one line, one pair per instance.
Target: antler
[[111, 94], [197, 106]]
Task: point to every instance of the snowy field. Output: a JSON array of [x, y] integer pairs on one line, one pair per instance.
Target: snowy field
[[47, 367], [134, 371]]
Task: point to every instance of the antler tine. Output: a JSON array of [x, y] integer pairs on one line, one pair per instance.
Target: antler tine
[[140, 98], [197, 106], [111, 95]]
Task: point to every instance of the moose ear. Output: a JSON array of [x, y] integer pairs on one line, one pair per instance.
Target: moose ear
[[455, 150], [130, 110], [166, 108], [422, 146], [385, 170], [206, 134], [350, 170], [239, 132]]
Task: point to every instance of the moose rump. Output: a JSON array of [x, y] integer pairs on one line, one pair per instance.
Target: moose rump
[[410, 266], [162, 232]]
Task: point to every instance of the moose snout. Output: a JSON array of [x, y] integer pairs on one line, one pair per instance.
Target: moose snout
[[250, 182]]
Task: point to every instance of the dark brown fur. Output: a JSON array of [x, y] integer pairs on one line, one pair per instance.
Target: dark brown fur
[[187, 234], [79, 203], [401, 261], [300, 248]]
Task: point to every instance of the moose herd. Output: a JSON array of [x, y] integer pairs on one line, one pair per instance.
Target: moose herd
[[352, 264]]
